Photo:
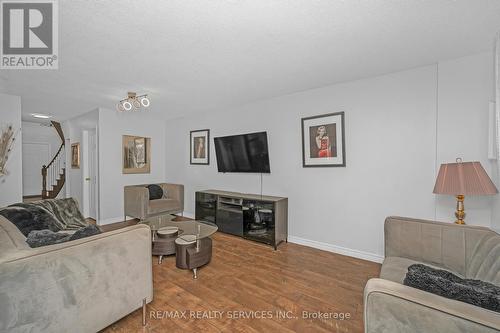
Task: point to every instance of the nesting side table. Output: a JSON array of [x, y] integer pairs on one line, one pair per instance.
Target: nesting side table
[[189, 240], [164, 242], [192, 253]]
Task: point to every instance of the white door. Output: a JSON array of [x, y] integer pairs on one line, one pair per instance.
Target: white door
[[92, 174], [35, 155]]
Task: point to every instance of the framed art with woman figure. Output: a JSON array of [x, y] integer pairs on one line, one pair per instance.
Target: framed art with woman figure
[[200, 147], [323, 143]]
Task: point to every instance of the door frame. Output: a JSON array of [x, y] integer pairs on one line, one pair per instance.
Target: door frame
[[86, 173]]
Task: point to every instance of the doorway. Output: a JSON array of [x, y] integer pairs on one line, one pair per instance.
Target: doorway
[[90, 174]]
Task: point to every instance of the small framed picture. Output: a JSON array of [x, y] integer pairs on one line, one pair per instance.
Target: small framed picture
[[323, 141], [75, 156], [200, 147]]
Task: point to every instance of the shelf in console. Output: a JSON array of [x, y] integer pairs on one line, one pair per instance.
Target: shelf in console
[[261, 218]]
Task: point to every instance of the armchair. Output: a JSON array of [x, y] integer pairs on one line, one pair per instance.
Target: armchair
[[138, 205]]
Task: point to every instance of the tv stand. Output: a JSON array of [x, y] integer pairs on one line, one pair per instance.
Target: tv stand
[[251, 216]]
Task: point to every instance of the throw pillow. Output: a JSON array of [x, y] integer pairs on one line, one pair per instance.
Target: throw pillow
[[155, 192], [41, 216], [446, 284], [88, 231], [23, 219], [38, 238]]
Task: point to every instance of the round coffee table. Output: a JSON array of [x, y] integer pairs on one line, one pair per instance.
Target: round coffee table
[[193, 246]]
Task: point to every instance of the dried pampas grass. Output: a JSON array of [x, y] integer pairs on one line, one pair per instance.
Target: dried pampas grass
[[7, 139]]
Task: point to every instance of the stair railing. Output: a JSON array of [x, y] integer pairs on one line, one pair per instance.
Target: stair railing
[[52, 172]]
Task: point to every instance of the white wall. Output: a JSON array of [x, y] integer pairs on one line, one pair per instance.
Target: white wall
[[391, 147], [112, 126], [465, 90], [73, 130], [11, 185], [35, 133]]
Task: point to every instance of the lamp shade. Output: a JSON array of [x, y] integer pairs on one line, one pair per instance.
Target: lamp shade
[[463, 178]]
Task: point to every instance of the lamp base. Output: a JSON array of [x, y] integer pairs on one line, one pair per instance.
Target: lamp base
[[460, 213]]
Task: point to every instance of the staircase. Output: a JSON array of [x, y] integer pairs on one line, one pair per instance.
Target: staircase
[[54, 174]]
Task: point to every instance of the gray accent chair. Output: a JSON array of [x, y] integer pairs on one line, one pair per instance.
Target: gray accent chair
[[138, 205], [83, 285], [467, 251]]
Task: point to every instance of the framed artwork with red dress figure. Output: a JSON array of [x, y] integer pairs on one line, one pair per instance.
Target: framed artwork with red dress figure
[[323, 141]]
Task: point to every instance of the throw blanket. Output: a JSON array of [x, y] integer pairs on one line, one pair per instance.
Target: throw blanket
[[446, 284], [28, 218], [39, 238], [65, 211]]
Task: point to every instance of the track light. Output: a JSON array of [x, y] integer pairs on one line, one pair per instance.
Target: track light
[[145, 101], [133, 102], [127, 106]]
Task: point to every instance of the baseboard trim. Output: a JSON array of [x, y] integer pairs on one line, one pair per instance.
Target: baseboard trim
[[188, 215], [336, 249]]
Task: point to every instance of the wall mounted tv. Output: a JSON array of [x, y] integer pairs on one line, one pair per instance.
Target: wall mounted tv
[[243, 153]]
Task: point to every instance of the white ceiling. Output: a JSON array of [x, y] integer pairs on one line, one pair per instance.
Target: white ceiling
[[198, 56]]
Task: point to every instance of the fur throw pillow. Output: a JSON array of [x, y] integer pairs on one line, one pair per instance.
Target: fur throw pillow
[[446, 284]]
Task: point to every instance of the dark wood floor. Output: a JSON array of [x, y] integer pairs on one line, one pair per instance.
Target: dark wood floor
[[246, 278]]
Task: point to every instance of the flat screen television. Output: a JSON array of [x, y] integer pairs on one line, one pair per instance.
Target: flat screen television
[[243, 153]]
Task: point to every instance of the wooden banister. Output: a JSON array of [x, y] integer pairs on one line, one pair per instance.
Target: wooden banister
[[55, 171], [55, 157], [59, 130]]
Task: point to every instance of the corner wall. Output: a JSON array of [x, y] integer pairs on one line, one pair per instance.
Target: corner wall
[[465, 91], [112, 126], [399, 128], [11, 185]]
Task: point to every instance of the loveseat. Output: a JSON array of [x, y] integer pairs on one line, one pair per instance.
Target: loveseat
[[137, 202], [82, 285], [467, 251]]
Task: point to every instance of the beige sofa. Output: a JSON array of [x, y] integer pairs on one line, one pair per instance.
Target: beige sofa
[[467, 251], [78, 286], [138, 205]]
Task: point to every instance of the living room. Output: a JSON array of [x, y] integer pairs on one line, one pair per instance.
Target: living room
[[318, 153]]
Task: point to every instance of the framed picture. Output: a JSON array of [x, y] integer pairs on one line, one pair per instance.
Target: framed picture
[[323, 141], [199, 147], [75, 156], [136, 154]]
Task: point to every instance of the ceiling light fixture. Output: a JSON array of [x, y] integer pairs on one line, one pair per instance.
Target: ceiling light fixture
[[41, 116], [133, 102]]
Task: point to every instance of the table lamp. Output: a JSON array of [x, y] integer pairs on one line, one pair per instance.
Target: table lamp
[[461, 179]]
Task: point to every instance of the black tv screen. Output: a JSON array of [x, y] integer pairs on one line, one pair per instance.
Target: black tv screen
[[243, 153]]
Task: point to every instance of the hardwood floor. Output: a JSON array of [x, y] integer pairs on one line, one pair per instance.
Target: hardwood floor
[[118, 225], [245, 278], [32, 198]]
